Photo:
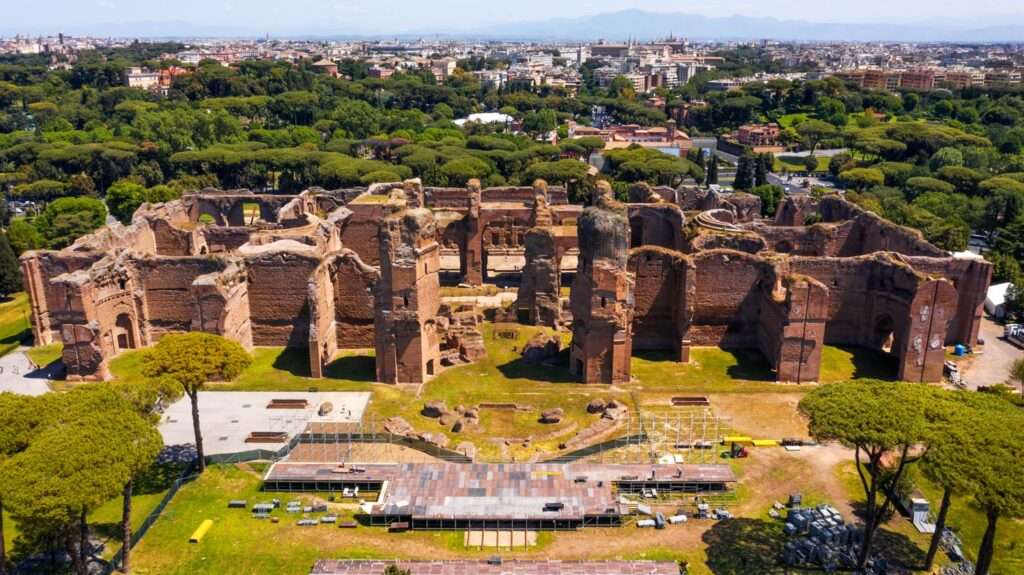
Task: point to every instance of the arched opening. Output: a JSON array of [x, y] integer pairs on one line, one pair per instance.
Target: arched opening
[[636, 232], [251, 213], [784, 247], [882, 336], [124, 332]]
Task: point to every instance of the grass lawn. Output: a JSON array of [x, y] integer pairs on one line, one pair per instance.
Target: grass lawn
[[969, 522], [789, 120], [14, 322], [237, 543], [504, 377], [44, 355], [796, 164], [105, 522]]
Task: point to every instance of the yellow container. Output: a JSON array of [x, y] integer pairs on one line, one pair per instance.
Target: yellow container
[[737, 439], [765, 443], [199, 533]]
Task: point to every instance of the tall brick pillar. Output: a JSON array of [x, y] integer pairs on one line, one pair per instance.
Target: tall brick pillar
[[408, 298], [602, 295], [472, 261]]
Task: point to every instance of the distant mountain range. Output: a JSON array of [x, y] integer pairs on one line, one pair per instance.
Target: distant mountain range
[[614, 27], [643, 25]]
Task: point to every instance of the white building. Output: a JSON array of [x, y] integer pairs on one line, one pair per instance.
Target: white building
[[143, 79], [995, 300]]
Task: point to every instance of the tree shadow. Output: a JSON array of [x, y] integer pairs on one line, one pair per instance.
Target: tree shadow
[[898, 549], [553, 370], [744, 546]]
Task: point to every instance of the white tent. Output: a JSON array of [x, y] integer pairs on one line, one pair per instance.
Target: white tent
[[995, 299]]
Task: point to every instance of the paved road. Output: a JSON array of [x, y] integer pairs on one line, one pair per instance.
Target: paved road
[[19, 375], [993, 366]]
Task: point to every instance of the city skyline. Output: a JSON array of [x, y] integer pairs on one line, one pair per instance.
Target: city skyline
[[462, 17]]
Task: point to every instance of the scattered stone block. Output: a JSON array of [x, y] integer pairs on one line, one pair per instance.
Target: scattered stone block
[[434, 408], [552, 415]]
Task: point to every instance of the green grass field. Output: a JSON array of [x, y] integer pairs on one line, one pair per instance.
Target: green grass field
[[237, 543], [970, 523], [105, 521], [14, 322], [44, 355], [796, 164], [504, 377]]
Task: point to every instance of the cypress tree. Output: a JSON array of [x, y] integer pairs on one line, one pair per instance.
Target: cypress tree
[[712, 171], [10, 270], [744, 174]]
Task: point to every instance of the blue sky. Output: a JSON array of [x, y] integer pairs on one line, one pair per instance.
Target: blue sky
[[393, 16]]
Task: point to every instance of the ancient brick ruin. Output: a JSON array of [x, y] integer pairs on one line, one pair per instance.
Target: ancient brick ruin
[[362, 268]]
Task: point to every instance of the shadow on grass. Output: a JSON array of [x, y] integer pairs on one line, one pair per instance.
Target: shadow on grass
[[898, 549], [294, 361], [157, 479], [872, 363], [353, 368], [744, 546], [750, 365], [555, 370], [655, 355]]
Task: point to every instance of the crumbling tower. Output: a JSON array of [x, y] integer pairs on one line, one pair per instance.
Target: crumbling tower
[[473, 260], [602, 294], [406, 337], [538, 301]]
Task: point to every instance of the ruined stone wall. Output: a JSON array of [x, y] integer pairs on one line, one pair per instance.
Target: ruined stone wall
[[656, 225], [879, 301], [38, 268], [167, 286], [971, 278], [222, 303], [706, 239], [354, 284], [539, 300], [227, 208], [446, 198], [747, 207], [360, 233], [665, 283], [226, 239], [278, 296], [323, 335], [815, 240], [727, 298], [794, 210], [792, 329], [873, 233]]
